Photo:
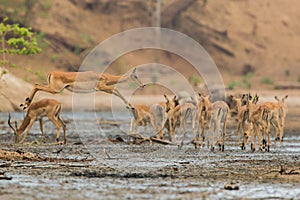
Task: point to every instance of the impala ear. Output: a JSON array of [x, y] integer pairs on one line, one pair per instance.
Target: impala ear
[[166, 97], [286, 96], [276, 98]]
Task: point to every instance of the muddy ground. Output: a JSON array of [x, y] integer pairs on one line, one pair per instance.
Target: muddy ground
[[99, 162]]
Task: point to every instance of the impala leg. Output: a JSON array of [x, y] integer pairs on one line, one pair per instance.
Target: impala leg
[[218, 131], [274, 123], [184, 133], [61, 121], [58, 126], [198, 130], [28, 129], [134, 125], [280, 134], [238, 131], [254, 133], [203, 131], [42, 130], [36, 88], [193, 125], [224, 131], [259, 134], [269, 134], [212, 136]]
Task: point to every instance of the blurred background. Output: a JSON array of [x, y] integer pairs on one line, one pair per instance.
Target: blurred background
[[254, 43]]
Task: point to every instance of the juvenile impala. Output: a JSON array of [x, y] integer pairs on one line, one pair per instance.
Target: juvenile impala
[[158, 117], [82, 82], [277, 116], [37, 110], [141, 114], [255, 126], [241, 112], [204, 115], [168, 107], [220, 111], [282, 114], [179, 115]]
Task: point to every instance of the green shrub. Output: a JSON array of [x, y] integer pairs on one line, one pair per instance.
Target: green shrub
[[53, 58], [232, 84], [194, 80], [266, 80], [246, 80]]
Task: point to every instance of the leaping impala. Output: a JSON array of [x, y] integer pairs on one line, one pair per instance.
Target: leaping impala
[[37, 110], [83, 82]]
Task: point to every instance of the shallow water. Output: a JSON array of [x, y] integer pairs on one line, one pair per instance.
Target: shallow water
[[144, 171]]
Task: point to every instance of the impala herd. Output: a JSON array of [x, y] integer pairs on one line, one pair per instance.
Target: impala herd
[[202, 116]]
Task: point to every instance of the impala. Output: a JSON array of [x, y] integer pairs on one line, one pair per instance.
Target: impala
[[158, 119], [179, 115], [37, 110], [220, 111], [241, 120], [82, 82], [169, 106], [204, 115], [282, 114], [255, 126], [141, 115], [277, 117]]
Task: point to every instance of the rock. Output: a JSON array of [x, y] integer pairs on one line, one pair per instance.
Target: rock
[[4, 177], [231, 186], [13, 91]]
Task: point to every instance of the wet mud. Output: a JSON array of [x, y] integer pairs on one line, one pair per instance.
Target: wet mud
[[100, 161]]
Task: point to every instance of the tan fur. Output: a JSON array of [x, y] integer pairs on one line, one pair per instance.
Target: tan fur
[[141, 115], [277, 116], [204, 115], [179, 115], [220, 112], [169, 106], [241, 112], [37, 110], [255, 126], [82, 82]]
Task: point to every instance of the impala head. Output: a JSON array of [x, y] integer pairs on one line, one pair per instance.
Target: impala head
[[171, 103], [129, 106], [135, 77], [15, 129], [204, 102], [282, 100], [245, 98], [235, 102]]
